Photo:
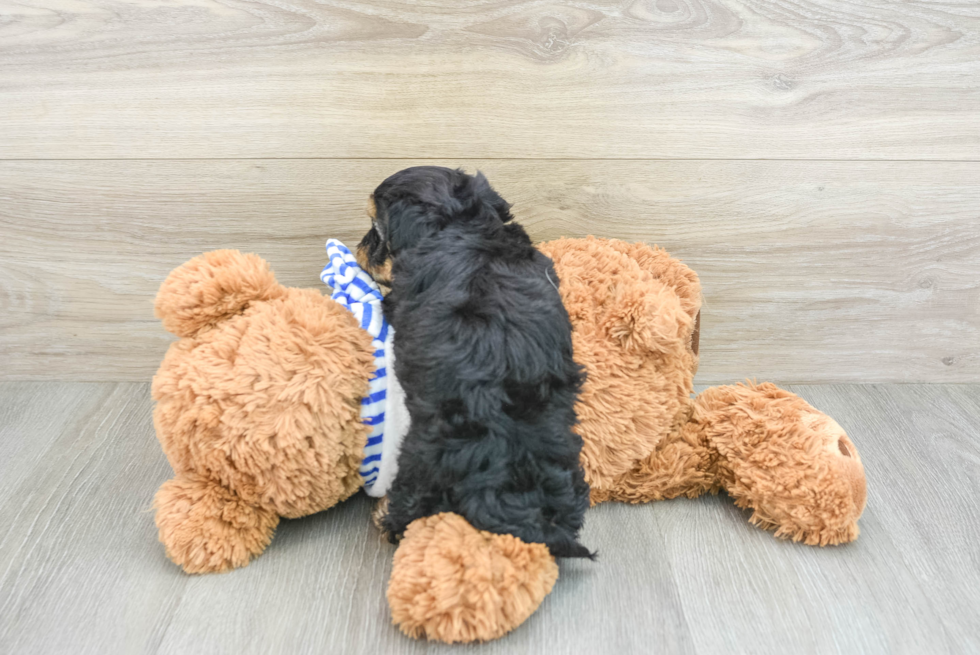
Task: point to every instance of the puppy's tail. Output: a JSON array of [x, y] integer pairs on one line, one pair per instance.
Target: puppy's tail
[[571, 549]]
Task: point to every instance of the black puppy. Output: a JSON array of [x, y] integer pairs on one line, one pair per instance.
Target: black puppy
[[483, 350]]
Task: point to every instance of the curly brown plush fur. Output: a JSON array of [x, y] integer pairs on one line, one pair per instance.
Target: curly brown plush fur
[[631, 331], [258, 413], [633, 311], [453, 583], [257, 408]]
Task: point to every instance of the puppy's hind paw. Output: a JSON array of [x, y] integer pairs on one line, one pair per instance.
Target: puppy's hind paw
[[378, 515]]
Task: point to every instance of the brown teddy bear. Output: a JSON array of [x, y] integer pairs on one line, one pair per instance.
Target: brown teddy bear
[[259, 410]]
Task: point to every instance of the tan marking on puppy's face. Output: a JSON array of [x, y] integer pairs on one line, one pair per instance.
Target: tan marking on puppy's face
[[372, 209], [381, 274]]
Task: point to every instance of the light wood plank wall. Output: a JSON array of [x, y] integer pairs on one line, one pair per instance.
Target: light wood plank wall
[[817, 162]]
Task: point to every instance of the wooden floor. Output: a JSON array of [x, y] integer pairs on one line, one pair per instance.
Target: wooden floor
[[81, 570]]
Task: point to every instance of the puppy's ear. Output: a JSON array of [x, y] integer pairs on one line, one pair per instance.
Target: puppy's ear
[[486, 194], [409, 222]]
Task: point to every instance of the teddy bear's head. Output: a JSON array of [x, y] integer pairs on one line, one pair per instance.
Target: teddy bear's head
[[261, 395], [633, 311]]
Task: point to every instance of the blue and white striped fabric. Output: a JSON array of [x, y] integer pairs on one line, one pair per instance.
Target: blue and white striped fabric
[[356, 290]]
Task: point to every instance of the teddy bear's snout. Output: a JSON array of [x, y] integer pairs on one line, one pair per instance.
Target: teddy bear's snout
[[848, 458]]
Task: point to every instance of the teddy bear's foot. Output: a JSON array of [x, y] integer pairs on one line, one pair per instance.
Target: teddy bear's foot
[[453, 583], [791, 464], [206, 528], [682, 464]]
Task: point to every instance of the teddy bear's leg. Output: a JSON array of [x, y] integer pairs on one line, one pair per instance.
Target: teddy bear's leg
[[791, 464], [682, 464], [453, 583], [206, 528]]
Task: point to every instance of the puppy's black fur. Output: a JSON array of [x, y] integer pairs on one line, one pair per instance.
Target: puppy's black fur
[[483, 349]]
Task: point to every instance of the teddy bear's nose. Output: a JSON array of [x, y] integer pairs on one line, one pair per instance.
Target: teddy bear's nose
[[842, 447]]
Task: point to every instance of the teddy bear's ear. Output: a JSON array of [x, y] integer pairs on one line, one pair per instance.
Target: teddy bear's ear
[[648, 317], [212, 287]]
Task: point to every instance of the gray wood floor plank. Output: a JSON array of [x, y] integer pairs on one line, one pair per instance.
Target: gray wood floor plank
[[743, 590], [32, 415], [316, 587], [921, 450], [82, 570]]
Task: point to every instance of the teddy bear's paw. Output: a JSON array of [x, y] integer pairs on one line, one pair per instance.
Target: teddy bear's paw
[[453, 583], [206, 528]]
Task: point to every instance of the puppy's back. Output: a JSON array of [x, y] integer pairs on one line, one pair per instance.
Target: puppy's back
[[484, 352]]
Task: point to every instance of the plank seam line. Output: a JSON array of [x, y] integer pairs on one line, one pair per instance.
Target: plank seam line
[[575, 159]]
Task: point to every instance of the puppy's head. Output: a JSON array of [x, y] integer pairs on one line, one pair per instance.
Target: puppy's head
[[419, 202]]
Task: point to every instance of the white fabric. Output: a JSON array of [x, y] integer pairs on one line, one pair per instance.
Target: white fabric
[[383, 407], [397, 422]]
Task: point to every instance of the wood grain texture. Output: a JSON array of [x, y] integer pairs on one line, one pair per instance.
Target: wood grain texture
[[81, 570], [740, 79], [812, 271]]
